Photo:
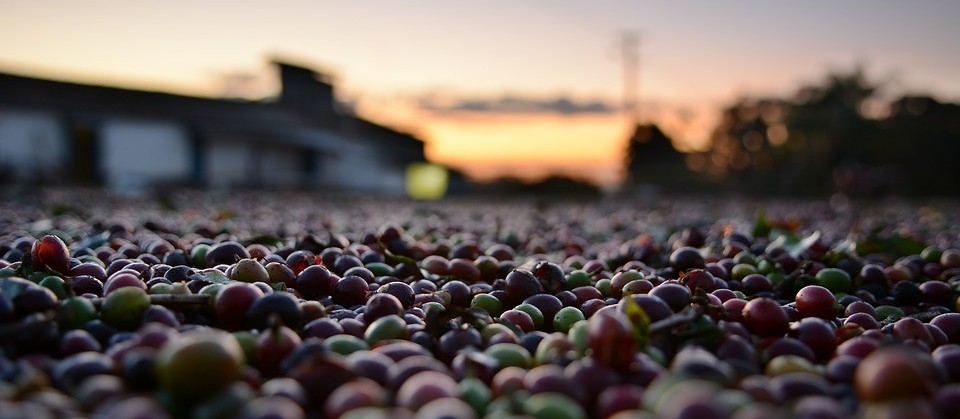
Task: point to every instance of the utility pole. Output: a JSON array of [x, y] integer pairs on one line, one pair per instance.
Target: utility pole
[[630, 51]]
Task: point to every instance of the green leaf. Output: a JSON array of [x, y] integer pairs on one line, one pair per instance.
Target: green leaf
[[702, 330], [395, 258], [265, 239], [13, 286], [793, 244], [847, 246], [95, 240], [213, 276], [896, 245], [445, 296], [278, 286], [640, 321], [806, 243], [783, 241], [761, 227]]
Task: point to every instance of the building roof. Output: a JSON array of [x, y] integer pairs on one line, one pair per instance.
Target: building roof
[[271, 118]]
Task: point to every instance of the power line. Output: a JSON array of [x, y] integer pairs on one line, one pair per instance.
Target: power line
[[630, 54]]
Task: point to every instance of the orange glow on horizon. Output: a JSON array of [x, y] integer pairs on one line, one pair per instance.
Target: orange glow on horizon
[[491, 145], [531, 146]]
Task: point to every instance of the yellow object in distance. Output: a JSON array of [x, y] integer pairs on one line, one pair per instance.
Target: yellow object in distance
[[427, 181]]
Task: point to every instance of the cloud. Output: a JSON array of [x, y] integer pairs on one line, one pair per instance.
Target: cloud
[[515, 105]]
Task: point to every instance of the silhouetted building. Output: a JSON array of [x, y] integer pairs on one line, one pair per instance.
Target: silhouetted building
[[122, 138]]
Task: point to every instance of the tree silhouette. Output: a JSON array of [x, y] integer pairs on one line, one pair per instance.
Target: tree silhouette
[[920, 144], [823, 140], [828, 131], [652, 161]]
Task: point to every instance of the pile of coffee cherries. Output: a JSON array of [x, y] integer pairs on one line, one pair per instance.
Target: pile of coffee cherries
[[292, 306]]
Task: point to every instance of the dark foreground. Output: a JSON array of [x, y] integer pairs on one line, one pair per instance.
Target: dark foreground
[[281, 305]]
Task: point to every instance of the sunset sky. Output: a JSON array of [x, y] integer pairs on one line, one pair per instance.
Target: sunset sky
[[501, 86]]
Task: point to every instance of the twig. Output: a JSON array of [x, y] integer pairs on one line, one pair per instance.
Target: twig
[[687, 315], [169, 299], [924, 316]]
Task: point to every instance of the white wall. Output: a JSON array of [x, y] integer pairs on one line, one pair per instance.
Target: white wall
[[342, 162], [227, 164], [139, 153], [280, 166], [32, 141], [355, 167]]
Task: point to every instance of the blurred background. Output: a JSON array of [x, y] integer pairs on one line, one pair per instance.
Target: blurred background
[[817, 98]]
